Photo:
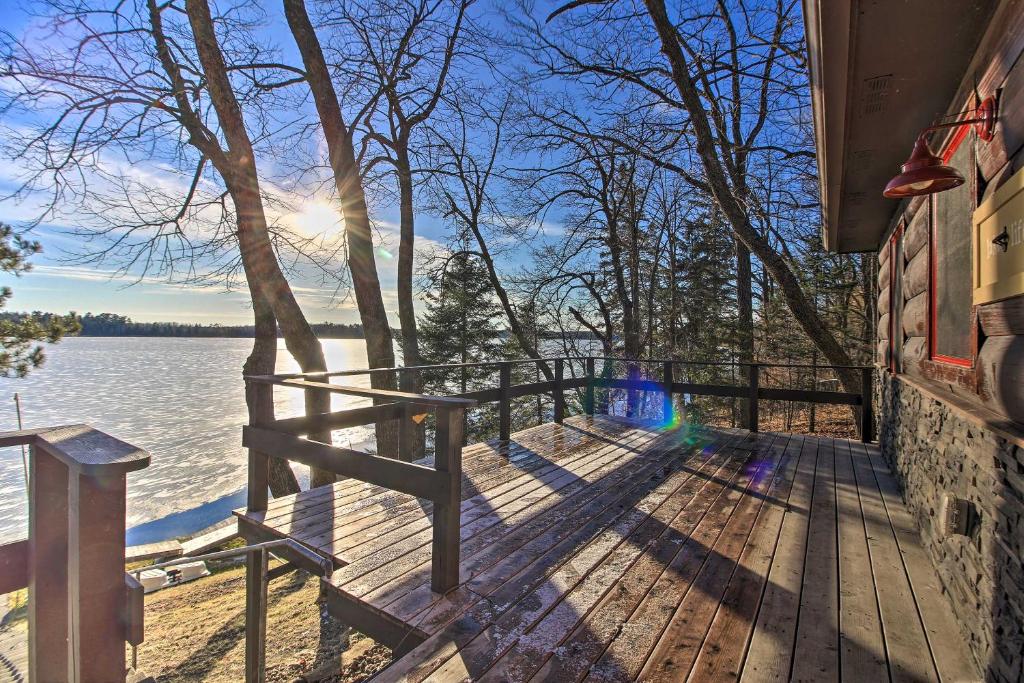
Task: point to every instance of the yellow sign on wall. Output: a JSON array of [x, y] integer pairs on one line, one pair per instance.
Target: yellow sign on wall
[[999, 243]]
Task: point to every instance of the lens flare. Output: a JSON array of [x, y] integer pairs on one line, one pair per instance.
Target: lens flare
[[384, 253]]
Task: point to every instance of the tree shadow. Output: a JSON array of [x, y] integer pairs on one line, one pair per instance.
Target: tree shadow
[[527, 612]]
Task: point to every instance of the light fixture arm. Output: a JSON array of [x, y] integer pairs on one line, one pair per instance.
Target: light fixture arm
[[984, 122]]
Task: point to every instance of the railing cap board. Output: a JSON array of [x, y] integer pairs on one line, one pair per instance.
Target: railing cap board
[[364, 392], [400, 368], [82, 448]]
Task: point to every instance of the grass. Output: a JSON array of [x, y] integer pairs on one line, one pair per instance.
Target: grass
[[196, 631]]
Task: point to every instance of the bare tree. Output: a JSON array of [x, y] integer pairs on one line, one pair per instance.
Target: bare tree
[[463, 178], [402, 56], [134, 86], [349, 184], [721, 96]]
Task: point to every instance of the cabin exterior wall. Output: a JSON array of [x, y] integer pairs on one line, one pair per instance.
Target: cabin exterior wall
[[938, 447], [954, 426]]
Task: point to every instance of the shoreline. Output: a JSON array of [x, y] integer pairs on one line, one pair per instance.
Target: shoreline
[[186, 522]]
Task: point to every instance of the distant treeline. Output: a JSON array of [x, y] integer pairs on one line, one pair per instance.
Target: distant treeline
[[114, 325]]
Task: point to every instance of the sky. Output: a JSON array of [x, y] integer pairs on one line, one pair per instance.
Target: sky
[[57, 283]]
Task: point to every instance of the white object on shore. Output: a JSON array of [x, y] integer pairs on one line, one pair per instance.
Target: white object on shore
[[155, 579], [188, 571], [152, 580]]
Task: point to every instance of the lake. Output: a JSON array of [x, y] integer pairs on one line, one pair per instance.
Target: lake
[[181, 399]]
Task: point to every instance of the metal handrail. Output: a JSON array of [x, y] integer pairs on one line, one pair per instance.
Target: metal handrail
[[325, 564]]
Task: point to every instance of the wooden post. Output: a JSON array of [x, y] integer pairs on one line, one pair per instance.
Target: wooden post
[[444, 574], [755, 378], [588, 396], [559, 391], [255, 616], [667, 382], [504, 402], [259, 463], [48, 568], [255, 574], [259, 481], [867, 410], [406, 434], [96, 587]]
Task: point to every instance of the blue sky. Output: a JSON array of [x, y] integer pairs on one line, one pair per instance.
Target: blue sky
[[59, 284]]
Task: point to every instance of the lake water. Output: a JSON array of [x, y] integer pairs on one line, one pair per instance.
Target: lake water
[[181, 399]]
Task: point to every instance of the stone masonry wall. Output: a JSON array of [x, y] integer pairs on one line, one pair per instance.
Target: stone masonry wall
[[935, 449]]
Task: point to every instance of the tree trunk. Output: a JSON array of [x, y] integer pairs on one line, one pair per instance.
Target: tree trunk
[[745, 319], [409, 381], [259, 398], [407, 237], [362, 264], [258, 257]]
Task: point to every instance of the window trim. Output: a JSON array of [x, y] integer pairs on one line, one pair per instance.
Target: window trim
[[894, 309], [951, 148]]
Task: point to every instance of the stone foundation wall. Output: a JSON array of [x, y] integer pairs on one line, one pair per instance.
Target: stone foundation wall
[[935, 449]]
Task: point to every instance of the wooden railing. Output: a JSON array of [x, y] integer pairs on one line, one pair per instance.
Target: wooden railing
[[82, 607], [752, 393], [441, 482]]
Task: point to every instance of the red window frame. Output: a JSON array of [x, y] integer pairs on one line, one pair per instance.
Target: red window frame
[[893, 274], [951, 149]]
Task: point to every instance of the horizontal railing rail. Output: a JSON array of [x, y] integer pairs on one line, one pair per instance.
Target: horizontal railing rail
[[505, 392], [362, 392], [550, 359]]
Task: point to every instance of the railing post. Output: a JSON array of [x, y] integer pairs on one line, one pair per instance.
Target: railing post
[[261, 398], [73, 560], [96, 587], [752, 408], [444, 574], [504, 402], [559, 391], [406, 434], [588, 396], [255, 616], [867, 409], [667, 380], [47, 568], [256, 572]]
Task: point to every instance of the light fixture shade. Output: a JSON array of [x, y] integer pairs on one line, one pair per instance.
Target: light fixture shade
[[923, 173]]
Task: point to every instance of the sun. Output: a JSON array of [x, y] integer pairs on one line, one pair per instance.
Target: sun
[[316, 217]]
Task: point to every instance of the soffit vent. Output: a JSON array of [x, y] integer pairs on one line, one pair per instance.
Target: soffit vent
[[875, 99]]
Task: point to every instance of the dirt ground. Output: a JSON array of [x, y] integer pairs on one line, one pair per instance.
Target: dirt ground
[[196, 632]]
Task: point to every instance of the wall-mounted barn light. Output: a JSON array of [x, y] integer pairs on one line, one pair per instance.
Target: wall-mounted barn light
[[925, 172]]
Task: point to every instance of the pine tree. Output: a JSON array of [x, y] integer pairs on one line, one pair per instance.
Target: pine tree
[[459, 326], [20, 351]]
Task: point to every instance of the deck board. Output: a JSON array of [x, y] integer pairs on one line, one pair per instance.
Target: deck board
[[609, 549]]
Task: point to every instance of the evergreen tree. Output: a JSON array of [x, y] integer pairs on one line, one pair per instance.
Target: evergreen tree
[[459, 326], [19, 347]]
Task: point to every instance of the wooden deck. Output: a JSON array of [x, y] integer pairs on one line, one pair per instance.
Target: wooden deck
[[607, 550]]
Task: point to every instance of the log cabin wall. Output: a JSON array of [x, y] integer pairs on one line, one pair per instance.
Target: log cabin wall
[[953, 428]]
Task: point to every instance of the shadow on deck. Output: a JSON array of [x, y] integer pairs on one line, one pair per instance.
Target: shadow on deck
[[605, 548]]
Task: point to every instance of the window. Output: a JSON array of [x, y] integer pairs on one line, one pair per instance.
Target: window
[[951, 325]]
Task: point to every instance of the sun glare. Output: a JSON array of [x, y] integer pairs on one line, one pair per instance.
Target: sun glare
[[315, 218]]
